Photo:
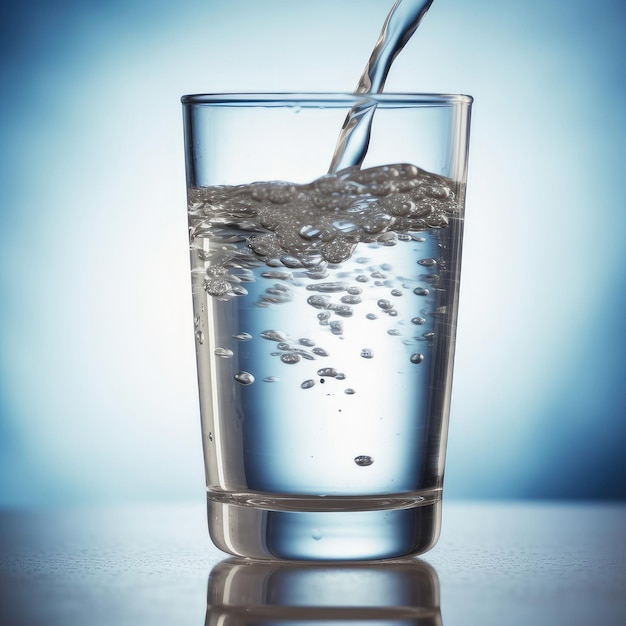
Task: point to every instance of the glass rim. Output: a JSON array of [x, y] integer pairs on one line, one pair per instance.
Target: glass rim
[[325, 99]]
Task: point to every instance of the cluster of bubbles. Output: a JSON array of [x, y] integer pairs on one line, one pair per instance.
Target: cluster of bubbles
[[288, 226]]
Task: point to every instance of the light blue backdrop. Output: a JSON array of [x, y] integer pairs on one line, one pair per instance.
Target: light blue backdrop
[[97, 388]]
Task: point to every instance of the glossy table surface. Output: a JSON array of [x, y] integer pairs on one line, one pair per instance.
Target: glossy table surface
[[496, 563]]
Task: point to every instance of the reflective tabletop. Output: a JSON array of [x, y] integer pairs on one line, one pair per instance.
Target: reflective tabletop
[[496, 563]]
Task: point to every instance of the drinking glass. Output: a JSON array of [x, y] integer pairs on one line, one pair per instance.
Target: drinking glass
[[325, 309]]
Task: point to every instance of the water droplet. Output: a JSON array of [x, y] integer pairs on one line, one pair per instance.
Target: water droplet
[[242, 337], [363, 460], [362, 278], [196, 321], [350, 299], [385, 305], [270, 379], [417, 358], [396, 292], [210, 436], [418, 320], [199, 336], [355, 291], [244, 378], [316, 534], [306, 342], [223, 353], [429, 336], [349, 391], [307, 384], [394, 332], [421, 291], [290, 358], [371, 316], [367, 353]]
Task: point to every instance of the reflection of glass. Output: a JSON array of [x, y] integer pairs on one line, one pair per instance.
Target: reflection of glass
[[246, 592]]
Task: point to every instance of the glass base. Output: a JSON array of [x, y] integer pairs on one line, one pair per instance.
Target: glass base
[[325, 529]]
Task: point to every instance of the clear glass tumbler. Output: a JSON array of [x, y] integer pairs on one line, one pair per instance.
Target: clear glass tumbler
[[325, 310]]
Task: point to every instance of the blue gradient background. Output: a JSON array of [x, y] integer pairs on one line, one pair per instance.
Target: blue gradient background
[[97, 381]]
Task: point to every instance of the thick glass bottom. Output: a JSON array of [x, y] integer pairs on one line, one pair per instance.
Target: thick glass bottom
[[321, 528]]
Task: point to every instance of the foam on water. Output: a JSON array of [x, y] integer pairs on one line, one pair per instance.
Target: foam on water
[[310, 226]]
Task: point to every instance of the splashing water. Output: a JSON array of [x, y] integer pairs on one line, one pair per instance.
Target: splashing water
[[402, 21]]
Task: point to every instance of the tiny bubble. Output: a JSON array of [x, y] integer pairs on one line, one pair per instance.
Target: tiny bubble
[[224, 353], [396, 292], [418, 320], [316, 534], [421, 291], [428, 262], [210, 436], [290, 358], [307, 384], [349, 391], [363, 460], [244, 378], [417, 358], [367, 353]]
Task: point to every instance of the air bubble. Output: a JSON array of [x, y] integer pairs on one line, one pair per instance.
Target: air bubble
[[371, 316], [329, 372], [244, 378], [270, 379], [336, 328], [349, 391], [307, 384], [242, 337], [319, 302], [396, 292], [363, 460], [367, 353], [217, 287], [428, 262], [334, 287], [272, 335], [223, 353], [354, 291], [385, 305], [417, 358], [304, 341], [394, 332], [421, 291], [350, 299], [199, 336], [290, 358], [319, 351], [418, 321]]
